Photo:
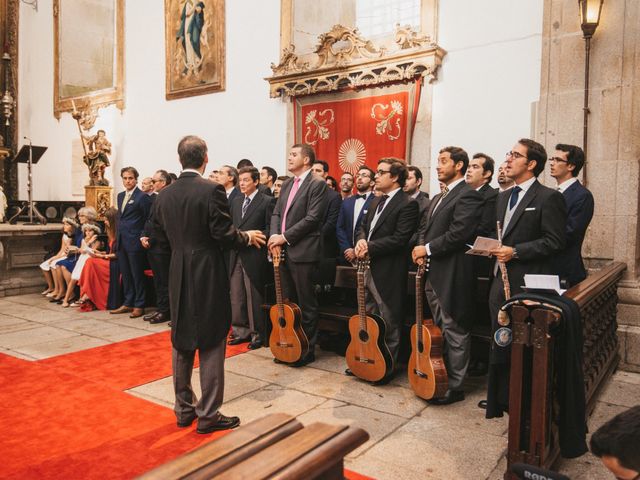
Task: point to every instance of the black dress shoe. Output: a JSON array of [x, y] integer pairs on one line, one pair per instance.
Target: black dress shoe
[[223, 423], [452, 396], [349, 373], [255, 344], [187, 421], [482, 404], [160, 318], [237, 341], [149, 316]]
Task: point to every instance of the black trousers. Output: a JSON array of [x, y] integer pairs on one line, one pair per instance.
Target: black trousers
[[298, 280], [160, 266]]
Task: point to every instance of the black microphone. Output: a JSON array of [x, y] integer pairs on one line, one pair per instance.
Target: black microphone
[[529, 472]]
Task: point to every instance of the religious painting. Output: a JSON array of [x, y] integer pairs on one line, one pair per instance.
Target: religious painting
[[88, 46], [194, 47]]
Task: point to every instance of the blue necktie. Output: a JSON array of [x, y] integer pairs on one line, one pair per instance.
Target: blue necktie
[[514, 197]]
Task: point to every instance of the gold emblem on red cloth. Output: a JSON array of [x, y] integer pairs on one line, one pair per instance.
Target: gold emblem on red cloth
[[351, 155], [317, 124], [385, 115]]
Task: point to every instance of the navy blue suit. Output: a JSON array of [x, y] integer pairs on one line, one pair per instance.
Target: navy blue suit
[[579, 213], [345, 230], [131, 255]]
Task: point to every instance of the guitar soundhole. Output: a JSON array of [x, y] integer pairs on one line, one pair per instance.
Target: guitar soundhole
[[282, 322], [420, 347], [364, 336]]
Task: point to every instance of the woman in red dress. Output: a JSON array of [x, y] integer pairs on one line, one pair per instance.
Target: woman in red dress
[[94, 280]]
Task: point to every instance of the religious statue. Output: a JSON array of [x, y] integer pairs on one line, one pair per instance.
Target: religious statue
[[3, 205], [97, 151]]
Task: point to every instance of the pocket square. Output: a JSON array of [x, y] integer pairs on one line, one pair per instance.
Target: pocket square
[[129, 202], [530, 209]]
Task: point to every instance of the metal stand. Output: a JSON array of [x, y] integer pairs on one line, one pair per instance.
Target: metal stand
[[30, 207]]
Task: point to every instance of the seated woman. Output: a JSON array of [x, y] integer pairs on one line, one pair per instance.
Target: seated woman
[[69, 227], [89, 245], [96, 274]]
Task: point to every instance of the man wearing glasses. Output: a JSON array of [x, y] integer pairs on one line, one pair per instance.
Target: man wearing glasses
[[533, 219], [566, 163]]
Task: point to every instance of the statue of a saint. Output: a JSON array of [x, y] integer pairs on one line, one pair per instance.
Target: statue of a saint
[[97, 157]]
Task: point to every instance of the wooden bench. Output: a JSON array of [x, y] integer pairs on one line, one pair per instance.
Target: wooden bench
[[273, 447]]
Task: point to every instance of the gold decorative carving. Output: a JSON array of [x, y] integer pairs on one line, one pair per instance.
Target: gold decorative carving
[[344, 59], [99, 197]]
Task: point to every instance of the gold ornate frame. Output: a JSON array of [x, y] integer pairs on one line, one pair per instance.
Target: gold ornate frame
[[218, 54], [99, 98]]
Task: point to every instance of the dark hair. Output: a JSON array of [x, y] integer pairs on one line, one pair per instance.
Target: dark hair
[[536, 152], [575, 156], [346, 173], [192, 150], [416, 171], [173, 176], [307, 151], [370, 170], [233, 172], [131, 170], [325, 165], [620, 438], [332, 181], [458, 155], [245, 162], [165, 176], [488, 165], [283, 178], [271, 173], [255, 174], [397, 169], [111, 214]]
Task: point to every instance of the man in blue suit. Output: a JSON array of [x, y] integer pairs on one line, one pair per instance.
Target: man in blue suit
[[353, 209], [566, 163], [133, 206]]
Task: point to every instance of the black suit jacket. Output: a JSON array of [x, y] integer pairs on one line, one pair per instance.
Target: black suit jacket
[[487, 225], [265, 190], [423, 205], [304, 219], [580, 206], [192, 214], [157, 243], [257, 217], [234, 193], [536, 230], [388, 247], [448, 228], [329, 237]]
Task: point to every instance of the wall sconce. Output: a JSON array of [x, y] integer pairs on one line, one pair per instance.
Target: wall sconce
[[590, 11]]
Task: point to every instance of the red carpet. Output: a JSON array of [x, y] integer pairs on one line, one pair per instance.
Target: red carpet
[[67, 417]]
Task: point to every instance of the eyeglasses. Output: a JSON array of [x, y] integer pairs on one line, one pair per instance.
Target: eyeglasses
[[516, 155], [382, 172], [558, 160]]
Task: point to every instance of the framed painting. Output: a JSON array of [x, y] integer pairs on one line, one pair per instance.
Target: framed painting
[[194, 47]]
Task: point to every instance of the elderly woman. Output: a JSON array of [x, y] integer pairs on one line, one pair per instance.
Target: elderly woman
[[89, 246]]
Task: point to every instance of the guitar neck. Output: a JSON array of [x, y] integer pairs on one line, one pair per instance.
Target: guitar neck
[[278, 284], [419, 304], [362, 309]]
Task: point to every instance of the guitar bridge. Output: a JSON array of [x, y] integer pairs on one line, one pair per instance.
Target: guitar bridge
[[420, 374], [365, 360], [284, 345]]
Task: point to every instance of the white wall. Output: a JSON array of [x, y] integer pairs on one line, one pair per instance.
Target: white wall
[[242, 122], [490, 76]]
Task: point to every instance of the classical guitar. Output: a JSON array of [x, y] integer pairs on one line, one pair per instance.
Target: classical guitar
[[368, 356], [426, 369], [287, 341]]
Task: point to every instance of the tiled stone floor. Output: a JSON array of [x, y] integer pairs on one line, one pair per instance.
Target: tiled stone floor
[[409, 439]]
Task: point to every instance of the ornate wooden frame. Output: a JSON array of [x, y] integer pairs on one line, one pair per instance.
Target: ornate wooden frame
[[99, 98], [219, 54]]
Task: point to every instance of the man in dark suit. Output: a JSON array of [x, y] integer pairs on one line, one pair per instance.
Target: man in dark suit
[[449, 225], [228, 177], [134, 206], [352, 210], [268, 177], [479, 176], [192, 214], [248, 266], [412, 187], [296, 225], [346, 185], [383, 236], [320, 169], [159, 255], [566, 163], [533, 219]]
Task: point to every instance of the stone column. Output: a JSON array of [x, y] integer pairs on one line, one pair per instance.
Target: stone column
[[614, 136]]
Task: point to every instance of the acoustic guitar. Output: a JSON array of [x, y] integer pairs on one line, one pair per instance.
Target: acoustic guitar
[[426, 369], [288, 342], [368, 355]]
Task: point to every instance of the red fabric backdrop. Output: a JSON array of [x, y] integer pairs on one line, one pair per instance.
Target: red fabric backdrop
[[352, 129]]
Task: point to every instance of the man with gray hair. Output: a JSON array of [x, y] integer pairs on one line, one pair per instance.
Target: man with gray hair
[[228, 177], [192, 216]]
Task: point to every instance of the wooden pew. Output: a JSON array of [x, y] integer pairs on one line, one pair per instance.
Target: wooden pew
[[273, 447], [533, 434]]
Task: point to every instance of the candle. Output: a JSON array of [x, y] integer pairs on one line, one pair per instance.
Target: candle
[[74, 105]]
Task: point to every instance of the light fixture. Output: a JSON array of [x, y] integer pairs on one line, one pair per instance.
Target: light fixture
[[590, 11]]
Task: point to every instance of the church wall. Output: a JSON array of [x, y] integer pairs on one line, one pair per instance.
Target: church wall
[[241, 122]]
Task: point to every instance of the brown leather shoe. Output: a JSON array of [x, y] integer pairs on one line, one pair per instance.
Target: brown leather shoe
[[122, 309], [137, 312]]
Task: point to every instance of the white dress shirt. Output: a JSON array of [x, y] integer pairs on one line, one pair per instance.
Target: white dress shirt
[[566, 184]]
